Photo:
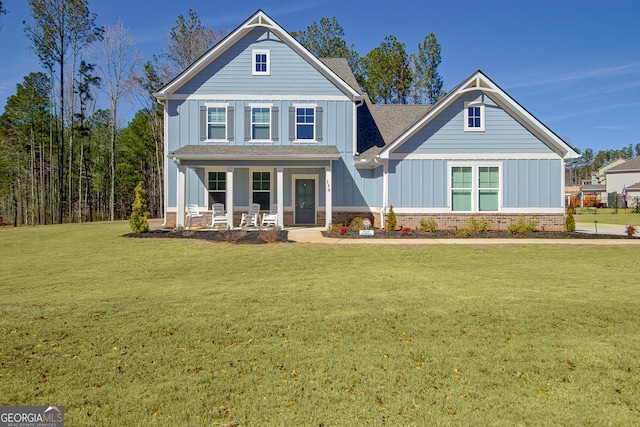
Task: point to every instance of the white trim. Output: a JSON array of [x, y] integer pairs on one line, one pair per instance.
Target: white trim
[[474, 184], [473, 104], [270, 107], [479, 81], [256, 52], [312, 140], [208, 169], [316, 180], [476, 156], [253, 97], [208, 105], [271, 183]]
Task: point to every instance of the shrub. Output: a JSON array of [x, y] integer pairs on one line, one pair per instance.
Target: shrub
[[334, 228], [428, 225], [405, 231], [232, 236], [139, 214], [570, 222], [522, 226], [630, 230], [343, 230], [270, 235], [356, 224], [478, 225], [392, 222]]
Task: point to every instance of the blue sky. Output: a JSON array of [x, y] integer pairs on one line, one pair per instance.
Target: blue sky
[[575, 65]]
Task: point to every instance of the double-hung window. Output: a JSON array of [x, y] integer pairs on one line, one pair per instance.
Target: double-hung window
[[473, 117], [217, 187], [305, 123], [261, 62], [217, 123], [261, 189], [475, 188], [261, 123]]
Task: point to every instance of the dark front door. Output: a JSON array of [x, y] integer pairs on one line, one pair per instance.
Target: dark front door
[[305, 201]]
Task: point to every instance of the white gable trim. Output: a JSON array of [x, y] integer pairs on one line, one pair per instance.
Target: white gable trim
[[259, 19], [478, 81]]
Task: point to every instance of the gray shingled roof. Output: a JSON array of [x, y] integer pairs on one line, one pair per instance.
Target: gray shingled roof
[[341, 67], [256, 152], [629, 165], [634, 187]]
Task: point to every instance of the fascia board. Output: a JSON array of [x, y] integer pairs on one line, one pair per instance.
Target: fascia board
[[484, 84], [259, 19]]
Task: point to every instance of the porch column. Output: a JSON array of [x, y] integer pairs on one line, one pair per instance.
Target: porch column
[[280, 195], [328, 202], [229, 197], [180, 196]]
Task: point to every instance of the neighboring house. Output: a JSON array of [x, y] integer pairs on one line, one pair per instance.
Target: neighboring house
[[259, 119], [624, 175]]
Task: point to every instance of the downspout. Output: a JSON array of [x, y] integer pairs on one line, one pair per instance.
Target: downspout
[[357, 104]]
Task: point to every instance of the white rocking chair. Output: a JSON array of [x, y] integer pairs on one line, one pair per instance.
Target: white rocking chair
[[193, 212], [270, 218], [251, 218], [218, 217]]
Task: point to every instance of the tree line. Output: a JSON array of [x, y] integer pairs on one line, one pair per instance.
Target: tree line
[[580, 169], [65, 155]]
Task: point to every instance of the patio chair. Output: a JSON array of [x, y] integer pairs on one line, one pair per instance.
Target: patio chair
[[251, 218], [193, 212], [270, 218], [217, 215]]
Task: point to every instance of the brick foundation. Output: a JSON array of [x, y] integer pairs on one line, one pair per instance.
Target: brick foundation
[[547, 222]]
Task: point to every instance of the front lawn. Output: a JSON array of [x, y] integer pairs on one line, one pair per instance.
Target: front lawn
[[608, 216], [125, 331]]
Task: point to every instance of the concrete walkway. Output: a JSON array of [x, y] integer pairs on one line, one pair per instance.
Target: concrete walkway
[[314, 235]]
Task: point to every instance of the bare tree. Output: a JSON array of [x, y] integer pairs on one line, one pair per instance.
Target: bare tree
[[117, 58]]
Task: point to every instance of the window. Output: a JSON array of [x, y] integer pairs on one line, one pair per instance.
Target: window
[[305, 124], [261, 62], [461, 188], [475, 188], [488, 188], [473, 117], [261, 123], [217, 123], [261, 190], [217, 187]]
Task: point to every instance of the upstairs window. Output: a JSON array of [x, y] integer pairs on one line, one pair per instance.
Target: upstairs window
[[261, 124], [305, 123], [217, 123], [261, 62], [473, 117]]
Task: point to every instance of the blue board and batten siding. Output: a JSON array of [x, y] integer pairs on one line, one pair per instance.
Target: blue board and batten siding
[[424, 182]]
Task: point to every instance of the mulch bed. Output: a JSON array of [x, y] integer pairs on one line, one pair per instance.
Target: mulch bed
[[233, 236], [451, 234]]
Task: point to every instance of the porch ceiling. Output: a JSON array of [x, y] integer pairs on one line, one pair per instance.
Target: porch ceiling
[[258, 152]]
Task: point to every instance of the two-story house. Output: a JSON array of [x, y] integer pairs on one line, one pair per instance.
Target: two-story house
[[259, 119]]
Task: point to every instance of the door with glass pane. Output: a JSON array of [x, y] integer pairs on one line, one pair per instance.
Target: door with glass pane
[[305, 202]]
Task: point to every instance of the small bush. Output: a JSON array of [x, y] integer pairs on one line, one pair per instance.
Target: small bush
[[405, 231], [570, 222], [232, 236], [343, 230], [270, 235], [356, 224], [392, 222], [428, 225], [462, 233], [630, 230], [522, 226], [478, 225], [334, 228], [139, 214]]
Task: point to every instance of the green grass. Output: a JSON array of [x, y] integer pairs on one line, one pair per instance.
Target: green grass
[[608, 216], [126, 331]]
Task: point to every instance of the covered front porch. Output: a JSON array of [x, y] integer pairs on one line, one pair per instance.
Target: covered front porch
[[293, 181]]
